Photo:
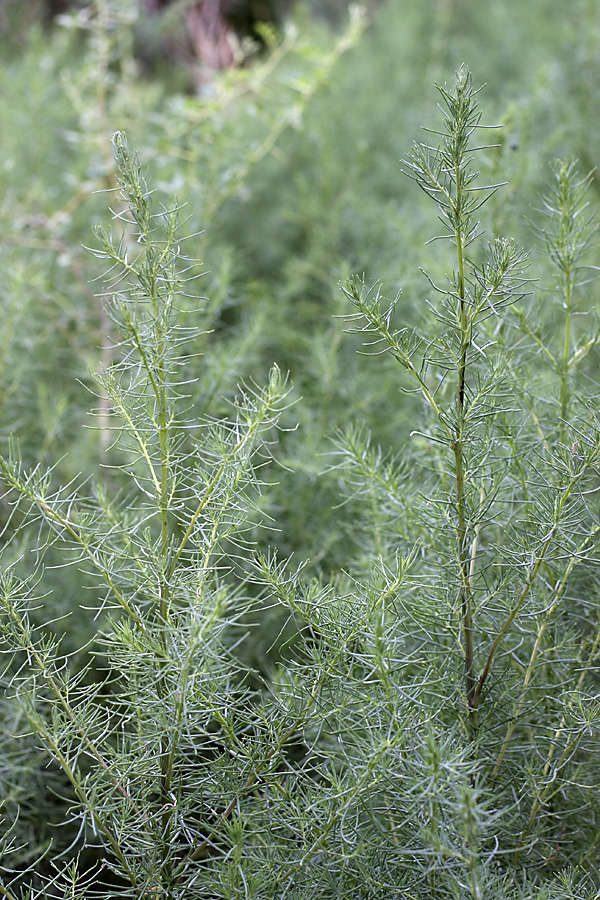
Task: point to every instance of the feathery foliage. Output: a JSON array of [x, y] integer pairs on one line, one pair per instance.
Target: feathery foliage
[[430, 728]]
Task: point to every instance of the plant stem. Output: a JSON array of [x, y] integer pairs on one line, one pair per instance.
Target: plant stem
[[558, 593], [166, 742], [564, 375], [464, 557]]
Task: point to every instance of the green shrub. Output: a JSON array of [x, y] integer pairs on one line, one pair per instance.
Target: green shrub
[[289, 170], [430, 728]]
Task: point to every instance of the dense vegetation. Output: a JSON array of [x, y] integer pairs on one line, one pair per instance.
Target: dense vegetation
[[281, 619]]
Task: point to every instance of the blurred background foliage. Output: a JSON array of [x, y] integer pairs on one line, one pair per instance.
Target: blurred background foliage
[[280, 127], [284, 148]]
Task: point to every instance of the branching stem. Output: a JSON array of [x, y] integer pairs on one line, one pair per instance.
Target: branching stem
[[464, 556], [565, 367]]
